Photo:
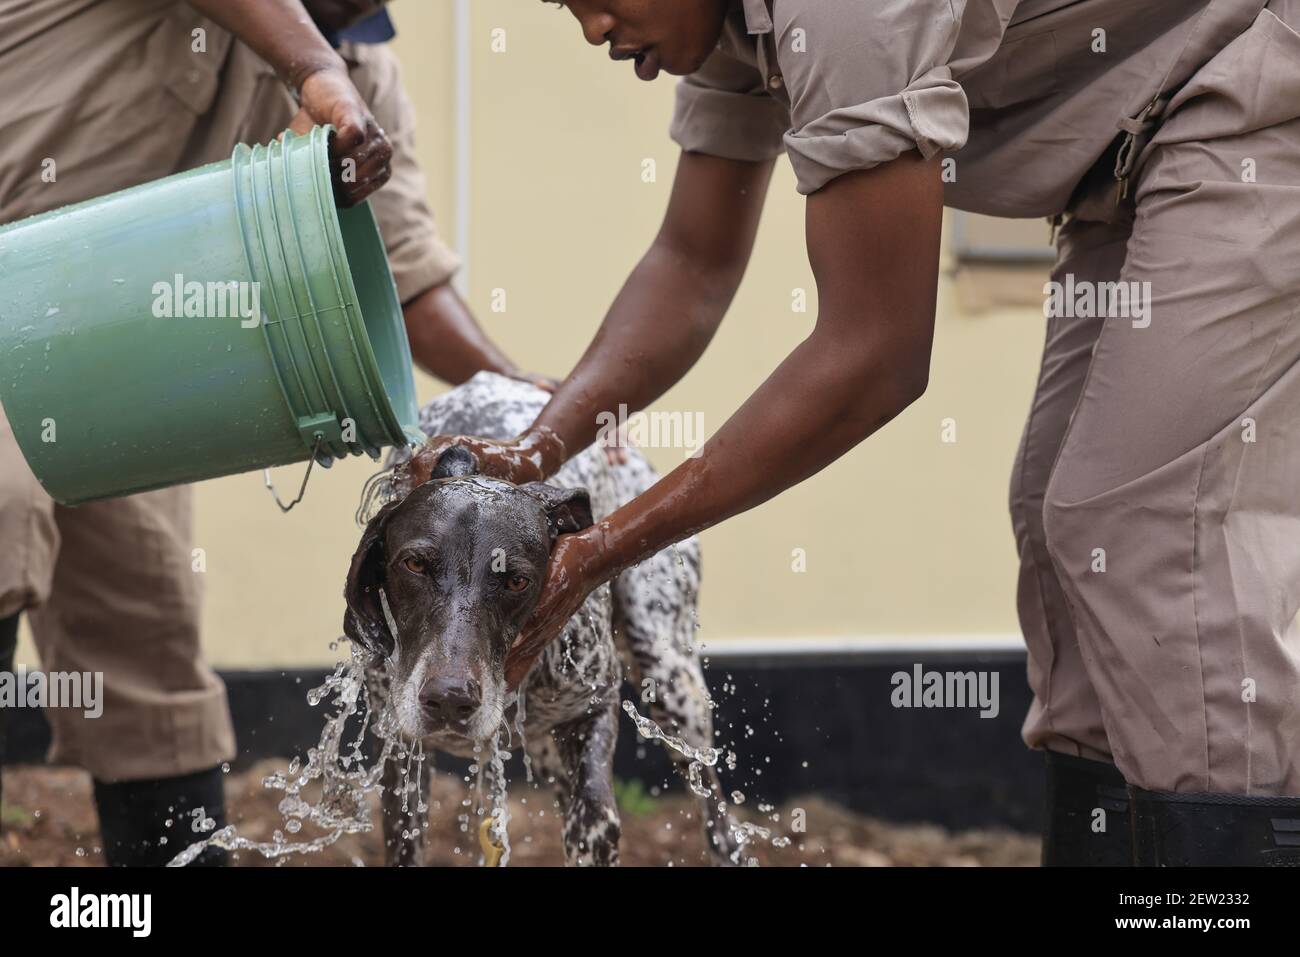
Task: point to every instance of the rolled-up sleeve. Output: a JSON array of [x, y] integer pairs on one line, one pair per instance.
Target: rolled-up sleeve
[[723, 110], [868, 82], [420, 260]]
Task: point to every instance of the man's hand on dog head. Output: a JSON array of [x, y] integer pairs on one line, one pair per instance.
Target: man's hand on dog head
[[572, 574], [530, 458]]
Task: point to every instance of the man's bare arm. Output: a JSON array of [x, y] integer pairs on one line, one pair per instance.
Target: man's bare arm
[[873, 241], [656, 329], [283, 34], [671, 306]]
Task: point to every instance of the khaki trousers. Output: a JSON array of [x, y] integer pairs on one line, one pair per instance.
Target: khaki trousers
[[109, 588], [1156, 496]]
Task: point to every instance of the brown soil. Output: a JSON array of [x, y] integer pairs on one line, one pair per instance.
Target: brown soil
[[48, 819]]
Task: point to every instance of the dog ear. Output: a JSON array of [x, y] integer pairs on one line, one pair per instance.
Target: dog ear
[[456, 462], [567, 509], [364, 621]]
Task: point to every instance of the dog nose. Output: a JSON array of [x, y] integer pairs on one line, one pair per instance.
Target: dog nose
[[450, 699]]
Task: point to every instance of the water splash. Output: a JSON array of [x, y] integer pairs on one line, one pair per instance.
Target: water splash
[[744, 833], [375, 494], [347, 780], [520, 719], [695, 780], [699, 756], [651, 731], [493, 780]]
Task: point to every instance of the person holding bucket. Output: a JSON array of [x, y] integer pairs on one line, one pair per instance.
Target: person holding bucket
[[150, 88], [108, 586], [1163, 138]]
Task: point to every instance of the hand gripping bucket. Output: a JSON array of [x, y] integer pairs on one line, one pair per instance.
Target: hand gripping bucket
[[222, 320]]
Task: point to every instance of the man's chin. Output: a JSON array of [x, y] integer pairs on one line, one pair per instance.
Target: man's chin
[[687, 64]]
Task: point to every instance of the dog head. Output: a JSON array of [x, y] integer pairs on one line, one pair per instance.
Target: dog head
[[460, 562]]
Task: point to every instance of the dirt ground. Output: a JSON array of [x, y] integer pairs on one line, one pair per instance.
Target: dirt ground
[[48, 819]]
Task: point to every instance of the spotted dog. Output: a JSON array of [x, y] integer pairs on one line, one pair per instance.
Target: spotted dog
[[444, 578]]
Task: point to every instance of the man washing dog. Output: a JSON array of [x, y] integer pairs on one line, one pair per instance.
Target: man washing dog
[[1130, 122]]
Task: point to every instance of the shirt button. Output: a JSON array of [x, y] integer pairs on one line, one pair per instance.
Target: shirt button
[[775, 82]]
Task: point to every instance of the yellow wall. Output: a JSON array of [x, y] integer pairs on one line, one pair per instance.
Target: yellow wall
[[906, 535]]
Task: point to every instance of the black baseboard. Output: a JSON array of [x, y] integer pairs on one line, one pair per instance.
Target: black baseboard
[[817, 722]]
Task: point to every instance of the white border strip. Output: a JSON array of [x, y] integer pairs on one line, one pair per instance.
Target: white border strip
[[462, 131], [973, 643]]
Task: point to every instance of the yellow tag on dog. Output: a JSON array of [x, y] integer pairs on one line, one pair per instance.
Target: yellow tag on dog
[[492, 851]]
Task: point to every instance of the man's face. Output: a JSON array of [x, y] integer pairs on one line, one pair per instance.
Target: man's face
[[672, 35], [340, 14]]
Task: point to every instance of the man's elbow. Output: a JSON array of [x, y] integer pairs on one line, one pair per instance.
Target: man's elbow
[[714, 271], [910, 384], [883, 392], [877, 380], [899, 383]]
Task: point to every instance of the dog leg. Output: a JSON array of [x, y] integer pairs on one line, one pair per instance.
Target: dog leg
[[591, 824], [654, 619], [403, 826], [549, 769], [682, 716], [718, 834]]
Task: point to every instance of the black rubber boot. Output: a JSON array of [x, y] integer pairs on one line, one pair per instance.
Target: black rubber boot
[[1086, 822], [1206, 830], [133, 817], [8, 645]]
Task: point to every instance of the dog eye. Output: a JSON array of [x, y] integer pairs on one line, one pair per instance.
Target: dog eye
[[414, 565], [517, 583]]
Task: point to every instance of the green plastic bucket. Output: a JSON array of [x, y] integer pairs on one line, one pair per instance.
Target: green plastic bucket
[[225, 319]]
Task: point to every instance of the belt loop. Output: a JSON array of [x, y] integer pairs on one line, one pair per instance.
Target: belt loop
[[1126, 156]]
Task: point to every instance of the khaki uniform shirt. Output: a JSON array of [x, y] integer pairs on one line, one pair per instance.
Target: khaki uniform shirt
[[1026, 95], [106, 94]]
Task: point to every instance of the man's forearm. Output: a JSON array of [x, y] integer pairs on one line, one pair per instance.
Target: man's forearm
[[279, 31], [818, 404], [658, 327], [647, 342], [873, 244], [671, 305], [873, 240]]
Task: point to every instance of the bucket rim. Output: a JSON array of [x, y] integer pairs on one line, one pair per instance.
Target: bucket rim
[[387, 416], [360, 335]]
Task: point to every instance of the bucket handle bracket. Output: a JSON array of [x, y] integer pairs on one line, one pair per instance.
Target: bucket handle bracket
[[317, 438], [317, 430]]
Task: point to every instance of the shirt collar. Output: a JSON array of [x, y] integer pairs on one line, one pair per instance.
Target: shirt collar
[[757, 17]]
